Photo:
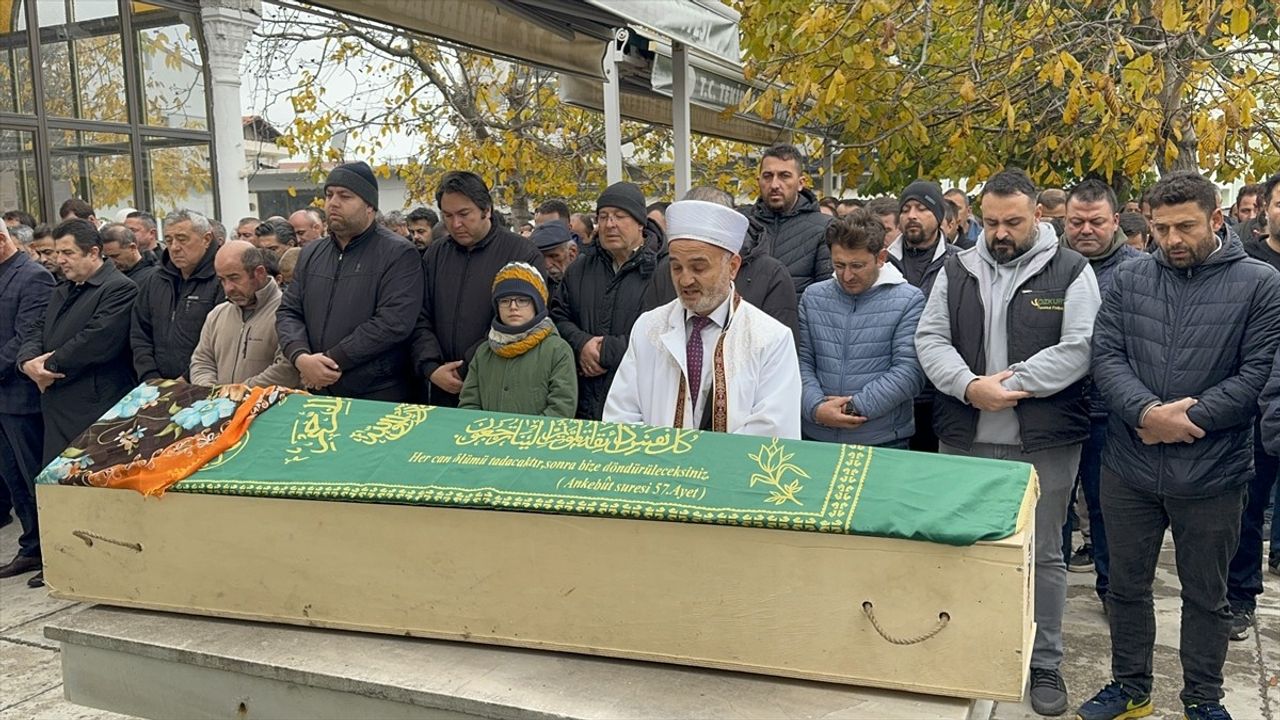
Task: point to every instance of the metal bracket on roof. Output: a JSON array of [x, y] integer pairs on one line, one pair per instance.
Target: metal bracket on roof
[[615, 51], [613, 54]]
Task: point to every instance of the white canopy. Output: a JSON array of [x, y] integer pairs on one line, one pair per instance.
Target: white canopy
[[671, 62]]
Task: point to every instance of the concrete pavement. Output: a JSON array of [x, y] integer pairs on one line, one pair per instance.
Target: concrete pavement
[[31, 682]]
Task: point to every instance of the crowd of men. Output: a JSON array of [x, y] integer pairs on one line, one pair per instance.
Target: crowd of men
[[1121, 349]]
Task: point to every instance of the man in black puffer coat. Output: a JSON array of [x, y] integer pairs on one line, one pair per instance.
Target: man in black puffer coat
[[1182, 348], [345, 320], [174, 301], [789, 212], [604, 291]]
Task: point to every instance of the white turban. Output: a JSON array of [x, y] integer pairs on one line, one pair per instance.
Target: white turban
[[707, 222]]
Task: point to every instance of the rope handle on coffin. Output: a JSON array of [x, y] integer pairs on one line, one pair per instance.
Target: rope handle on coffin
[[869, 610], [89, 537]]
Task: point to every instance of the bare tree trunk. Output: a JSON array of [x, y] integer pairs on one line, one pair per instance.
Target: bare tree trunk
[[1176, 117]]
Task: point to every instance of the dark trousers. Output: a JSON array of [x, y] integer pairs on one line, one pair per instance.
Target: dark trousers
[[925, 440], [1205, 534], [1089, 480], [1275, 527], [1244, 580], [21, 440]]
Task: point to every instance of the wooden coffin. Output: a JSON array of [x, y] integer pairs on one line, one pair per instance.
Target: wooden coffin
[[771, 601]]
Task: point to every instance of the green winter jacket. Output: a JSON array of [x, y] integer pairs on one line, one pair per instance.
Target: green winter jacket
[[543, 381]]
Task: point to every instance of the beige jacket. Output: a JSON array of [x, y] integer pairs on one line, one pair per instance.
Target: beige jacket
[[235, 350]]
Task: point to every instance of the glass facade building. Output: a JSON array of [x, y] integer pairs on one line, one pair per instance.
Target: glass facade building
[[104, 100]]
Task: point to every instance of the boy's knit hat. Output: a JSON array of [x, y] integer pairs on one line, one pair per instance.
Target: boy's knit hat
[[519, 278]]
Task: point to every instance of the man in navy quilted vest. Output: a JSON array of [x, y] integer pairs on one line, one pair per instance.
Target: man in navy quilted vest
[[1005, 339], [1183, 347], [857, 342]]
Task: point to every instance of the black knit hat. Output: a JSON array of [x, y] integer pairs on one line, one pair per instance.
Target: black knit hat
[[357, 177], [625, 197], [926, 193]]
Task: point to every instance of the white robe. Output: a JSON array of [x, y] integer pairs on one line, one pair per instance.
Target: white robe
[[762, 374]]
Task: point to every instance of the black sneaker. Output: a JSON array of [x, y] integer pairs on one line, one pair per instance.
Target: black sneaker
[[1241, 621], [1048, 692], [1205, 711], [1273, 567], [1114, 703], [1082, 559]]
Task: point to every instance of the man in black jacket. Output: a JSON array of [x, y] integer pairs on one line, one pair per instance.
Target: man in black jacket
[[1092, 228], [24, 298], [78, 354], [346, 319], [120, 245], [603, 292], [919, 252], [789, 212], [559, 247], [1244, 579], [143, 227], [1269, 426], [1183, 347], [762, 279], [174, 300], [457, 304]]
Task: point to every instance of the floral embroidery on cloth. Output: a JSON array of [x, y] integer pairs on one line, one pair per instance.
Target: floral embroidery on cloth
[[159, 433]]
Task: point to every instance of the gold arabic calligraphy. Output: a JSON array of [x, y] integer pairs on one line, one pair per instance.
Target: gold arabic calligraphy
[[315, 431], [392, 426], [557, 434]]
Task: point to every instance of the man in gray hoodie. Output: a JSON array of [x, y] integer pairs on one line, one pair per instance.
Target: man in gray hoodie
[[1005, 338]]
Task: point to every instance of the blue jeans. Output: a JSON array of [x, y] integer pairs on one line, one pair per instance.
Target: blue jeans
[[1244, 578], [1089, 479]]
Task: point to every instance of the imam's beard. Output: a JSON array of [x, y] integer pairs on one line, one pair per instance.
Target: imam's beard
[[711, 298]]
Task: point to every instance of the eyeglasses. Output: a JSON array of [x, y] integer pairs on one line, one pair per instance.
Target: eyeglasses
[[616, 218], [518, 302]]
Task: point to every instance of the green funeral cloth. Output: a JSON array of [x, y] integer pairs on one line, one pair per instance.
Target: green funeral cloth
[[351, 450]]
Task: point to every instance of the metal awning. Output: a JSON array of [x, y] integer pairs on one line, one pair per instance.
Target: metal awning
[[670, 62]]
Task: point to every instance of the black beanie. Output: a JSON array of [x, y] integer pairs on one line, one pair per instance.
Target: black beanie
[[625, 197], [357, 177], [926, 193]]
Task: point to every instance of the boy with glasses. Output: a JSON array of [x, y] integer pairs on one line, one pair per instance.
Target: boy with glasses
[[524, 366]]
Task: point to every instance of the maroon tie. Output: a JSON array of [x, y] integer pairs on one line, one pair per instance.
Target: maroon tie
[[693, 357]]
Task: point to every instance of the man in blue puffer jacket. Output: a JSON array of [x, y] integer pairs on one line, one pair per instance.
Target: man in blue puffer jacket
[[1182, 348], [857, 350]]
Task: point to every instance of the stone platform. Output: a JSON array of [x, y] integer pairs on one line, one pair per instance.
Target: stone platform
[[161, 665], [31, 683]]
